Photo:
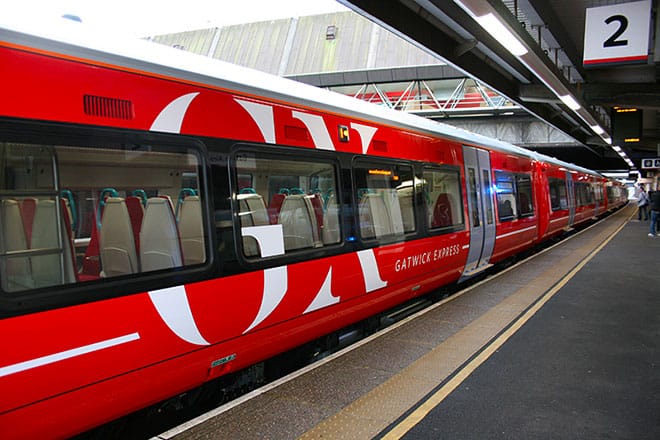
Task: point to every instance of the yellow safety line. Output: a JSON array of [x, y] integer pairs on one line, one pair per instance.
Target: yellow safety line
[[422, 411]]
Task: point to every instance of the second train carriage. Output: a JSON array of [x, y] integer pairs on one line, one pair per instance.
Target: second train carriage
[[168, 219]]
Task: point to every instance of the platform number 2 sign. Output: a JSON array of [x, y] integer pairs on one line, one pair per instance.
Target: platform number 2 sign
[[623, 25], [617, 34]]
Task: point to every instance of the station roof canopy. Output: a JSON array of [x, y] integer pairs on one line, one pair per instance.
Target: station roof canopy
[[543, 67]]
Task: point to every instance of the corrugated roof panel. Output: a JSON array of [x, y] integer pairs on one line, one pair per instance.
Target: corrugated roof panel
[[198, 41], [394, 51], [256, 45], [358, 44]]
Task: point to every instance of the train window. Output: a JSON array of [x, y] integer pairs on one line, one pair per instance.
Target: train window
[[506, 200], [73, 214], [583, 193], [514, 195], [524, 190], [442, 191], [385, 199], [488, 196], [297, 197], [557, 192], [598, 192], [613, 193]]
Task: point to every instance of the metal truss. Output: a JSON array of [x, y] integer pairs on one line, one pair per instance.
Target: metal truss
[[436, 99]]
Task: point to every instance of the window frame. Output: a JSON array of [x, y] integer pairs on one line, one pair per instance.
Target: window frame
[[283, 153], [428, 203], [556, 183], [14, 303], [366, 162], [515, 179]]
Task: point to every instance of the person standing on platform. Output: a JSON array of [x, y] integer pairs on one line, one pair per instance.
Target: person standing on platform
[[642, 203], [655, 212]]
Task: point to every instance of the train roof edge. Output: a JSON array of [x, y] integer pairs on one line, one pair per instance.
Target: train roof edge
[[75, 39]]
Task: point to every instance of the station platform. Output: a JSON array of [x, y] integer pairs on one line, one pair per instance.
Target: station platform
[[565, 344]]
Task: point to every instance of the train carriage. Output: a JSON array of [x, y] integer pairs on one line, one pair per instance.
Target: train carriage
[[168, 219]]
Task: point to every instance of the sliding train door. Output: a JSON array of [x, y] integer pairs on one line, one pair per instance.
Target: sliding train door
[[478, 177]]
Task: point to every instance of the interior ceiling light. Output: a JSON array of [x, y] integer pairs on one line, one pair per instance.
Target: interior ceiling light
[[597, 129]]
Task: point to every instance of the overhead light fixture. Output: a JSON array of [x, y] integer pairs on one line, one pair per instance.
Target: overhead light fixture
[[499, 31], [570, 102], [617, 148], [484, 14]]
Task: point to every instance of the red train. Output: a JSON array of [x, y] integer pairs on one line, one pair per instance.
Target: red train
[[168, 219]]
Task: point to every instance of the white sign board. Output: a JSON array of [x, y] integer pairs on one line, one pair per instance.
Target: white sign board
[[617, 34]]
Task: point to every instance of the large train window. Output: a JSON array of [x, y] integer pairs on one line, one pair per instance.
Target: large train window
[[598, 192], [514, 195], [385, 197], [296, 197], [524, 189], [442, 191], [584, 194], [557, 192], [74, 214]]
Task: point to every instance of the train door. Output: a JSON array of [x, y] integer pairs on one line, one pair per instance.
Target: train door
[[478, 177], [570, 186]]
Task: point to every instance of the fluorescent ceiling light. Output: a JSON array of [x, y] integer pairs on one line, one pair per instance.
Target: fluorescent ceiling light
[[608, 140], [504, 36], [597, 129], [617, 148], [570, 102]]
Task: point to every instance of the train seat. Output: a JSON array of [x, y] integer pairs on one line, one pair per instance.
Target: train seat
[[276, 205], [116, 241], [135, 214], [405, 199], [394, 210], [525, 205], [298, 222], [506, 207], [331, 233], [317, 205], [18, 269], [374, 216], [252, 212], [27, 207], [442, 211], [91, 264], [69, 244], [50, 269], [160, 247], [191, 230]]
